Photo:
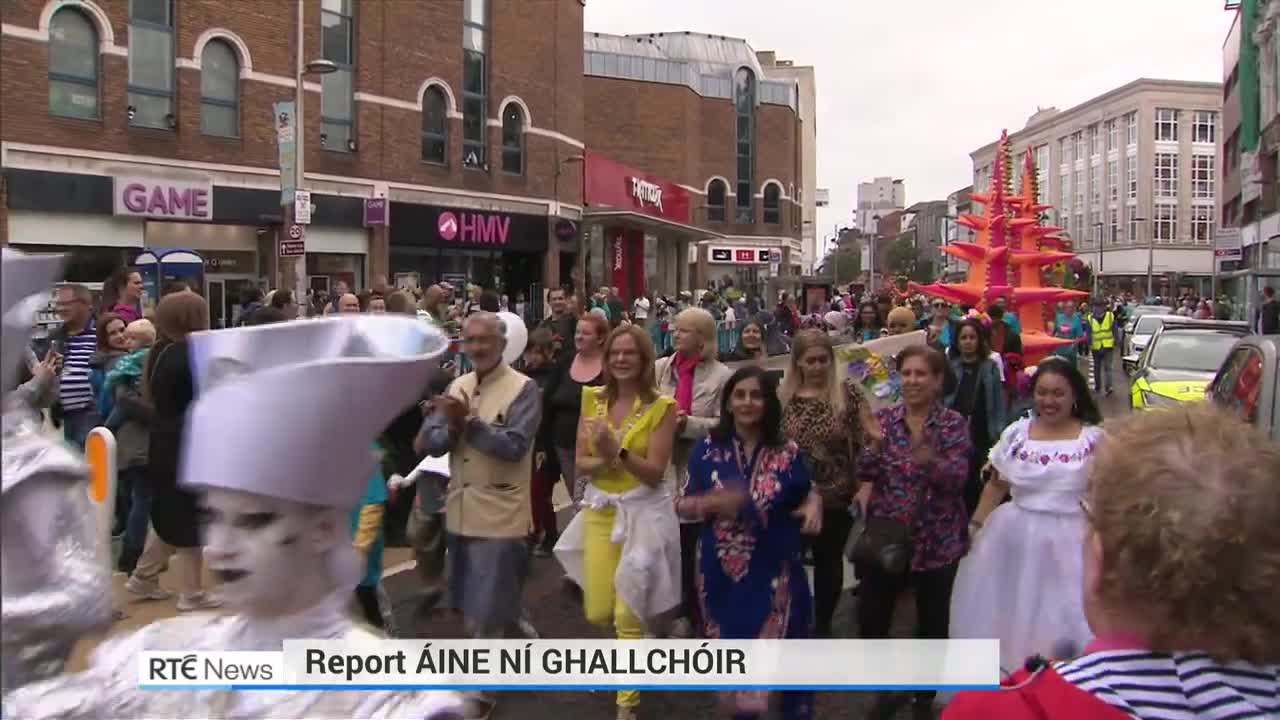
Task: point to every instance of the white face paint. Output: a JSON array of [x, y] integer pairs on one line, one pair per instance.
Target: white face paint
[[259, 547]]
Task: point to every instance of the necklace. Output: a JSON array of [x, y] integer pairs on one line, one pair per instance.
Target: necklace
[[621, 432]]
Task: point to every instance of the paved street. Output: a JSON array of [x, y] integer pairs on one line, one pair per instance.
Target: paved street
[[557, 613]]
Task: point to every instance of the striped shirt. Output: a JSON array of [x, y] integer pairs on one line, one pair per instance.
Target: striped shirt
[[74, 391], [1181, 686]]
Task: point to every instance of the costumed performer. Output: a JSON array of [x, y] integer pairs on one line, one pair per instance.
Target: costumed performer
[[55, 589], [276, 505]]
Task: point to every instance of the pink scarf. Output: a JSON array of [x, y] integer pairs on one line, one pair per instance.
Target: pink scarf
[[128, 313], [684, 366]]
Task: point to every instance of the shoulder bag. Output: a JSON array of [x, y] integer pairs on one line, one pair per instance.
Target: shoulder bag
[[884, 543]]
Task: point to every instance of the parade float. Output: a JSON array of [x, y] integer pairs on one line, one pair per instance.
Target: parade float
[[1009, 255]]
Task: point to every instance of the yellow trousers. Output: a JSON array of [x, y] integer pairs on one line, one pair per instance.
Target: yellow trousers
[[602, 604]]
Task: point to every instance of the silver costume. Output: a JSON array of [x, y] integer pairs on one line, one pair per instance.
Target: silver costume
[[294, 476], [109, 689], [55, 588]]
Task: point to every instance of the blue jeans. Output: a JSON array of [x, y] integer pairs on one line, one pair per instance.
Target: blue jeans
[[135, 529], [1102, 369], [76, 425]]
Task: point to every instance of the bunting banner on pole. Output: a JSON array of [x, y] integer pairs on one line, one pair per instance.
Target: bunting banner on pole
[[285, 122]]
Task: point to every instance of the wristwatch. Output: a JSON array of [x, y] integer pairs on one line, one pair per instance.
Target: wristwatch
[[623, 453]]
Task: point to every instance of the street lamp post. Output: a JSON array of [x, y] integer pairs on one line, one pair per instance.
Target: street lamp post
[[871, 256], [581, 262], [301, 70]]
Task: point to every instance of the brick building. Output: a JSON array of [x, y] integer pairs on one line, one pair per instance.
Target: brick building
[[446, 109], [700, 115], [151, 124]]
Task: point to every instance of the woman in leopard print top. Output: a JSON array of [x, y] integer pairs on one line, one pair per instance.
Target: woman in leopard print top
[[825, 415]]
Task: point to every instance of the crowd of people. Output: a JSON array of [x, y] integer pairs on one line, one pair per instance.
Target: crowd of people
[[1136, 564]]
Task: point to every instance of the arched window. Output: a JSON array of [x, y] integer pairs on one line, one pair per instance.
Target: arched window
[[744, 94], [73, 65], [512, 139], [435, 126], [219, 90], [716, 193], [772, 206]]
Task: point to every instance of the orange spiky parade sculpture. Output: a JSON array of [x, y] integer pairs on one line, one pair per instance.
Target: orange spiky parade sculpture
[[1009, 233]]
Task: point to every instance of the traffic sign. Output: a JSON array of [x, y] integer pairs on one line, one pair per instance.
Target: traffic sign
[[302, 207], [295, 245]]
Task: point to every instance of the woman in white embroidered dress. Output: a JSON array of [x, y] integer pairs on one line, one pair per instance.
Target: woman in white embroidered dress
[[1021, 580]]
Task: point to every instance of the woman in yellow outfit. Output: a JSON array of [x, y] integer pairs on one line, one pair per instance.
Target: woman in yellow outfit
[[624, 444]]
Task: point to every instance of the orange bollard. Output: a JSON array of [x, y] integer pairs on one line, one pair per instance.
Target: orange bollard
[[100, 454]]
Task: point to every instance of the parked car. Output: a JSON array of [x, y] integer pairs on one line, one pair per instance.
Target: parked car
[[1139, 330], [1180, 361], [1246, 383]]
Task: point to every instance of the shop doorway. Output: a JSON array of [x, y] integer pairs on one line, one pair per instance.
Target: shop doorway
[[223, 293]]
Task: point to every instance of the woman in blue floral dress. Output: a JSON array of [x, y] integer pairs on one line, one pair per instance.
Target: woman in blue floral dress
[[752, 488]]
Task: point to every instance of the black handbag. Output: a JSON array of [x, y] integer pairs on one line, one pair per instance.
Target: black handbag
[[884, 543]]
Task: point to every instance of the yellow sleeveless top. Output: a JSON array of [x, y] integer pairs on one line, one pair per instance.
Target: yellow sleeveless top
[[634, 433]]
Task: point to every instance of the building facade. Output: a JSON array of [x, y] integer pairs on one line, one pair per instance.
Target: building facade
[[698, 118], [1133, 178], [448, 142], [958, 203], [441, 110], [807, 191], [879, 197], [1248, 247], [927, 225]]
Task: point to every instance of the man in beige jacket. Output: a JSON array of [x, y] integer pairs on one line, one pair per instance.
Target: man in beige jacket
[[486, 422]]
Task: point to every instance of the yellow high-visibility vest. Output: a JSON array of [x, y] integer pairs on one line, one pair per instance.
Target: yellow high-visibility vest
[[1102, 336]]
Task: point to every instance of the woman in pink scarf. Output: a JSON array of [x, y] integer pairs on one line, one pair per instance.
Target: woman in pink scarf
[[122, 293], [694, 377]]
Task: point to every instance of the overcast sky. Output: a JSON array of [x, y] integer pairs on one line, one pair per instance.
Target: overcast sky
[[911, 92]]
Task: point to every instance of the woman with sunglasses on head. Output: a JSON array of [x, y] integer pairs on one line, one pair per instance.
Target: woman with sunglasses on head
[[749, 490], [938, 326], [1020, 582], [623, 549]]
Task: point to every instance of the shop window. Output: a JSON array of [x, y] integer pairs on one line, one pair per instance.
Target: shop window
[[219, 90], [73, 65], [512, 139], [474, 84], [716, 193], [151, 64], [435, 126], [745, 104], [772, 204], [337, 89]]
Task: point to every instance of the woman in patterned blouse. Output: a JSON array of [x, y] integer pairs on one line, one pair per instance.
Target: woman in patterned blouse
[[826, 416], [749, 490], [913, 470]]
